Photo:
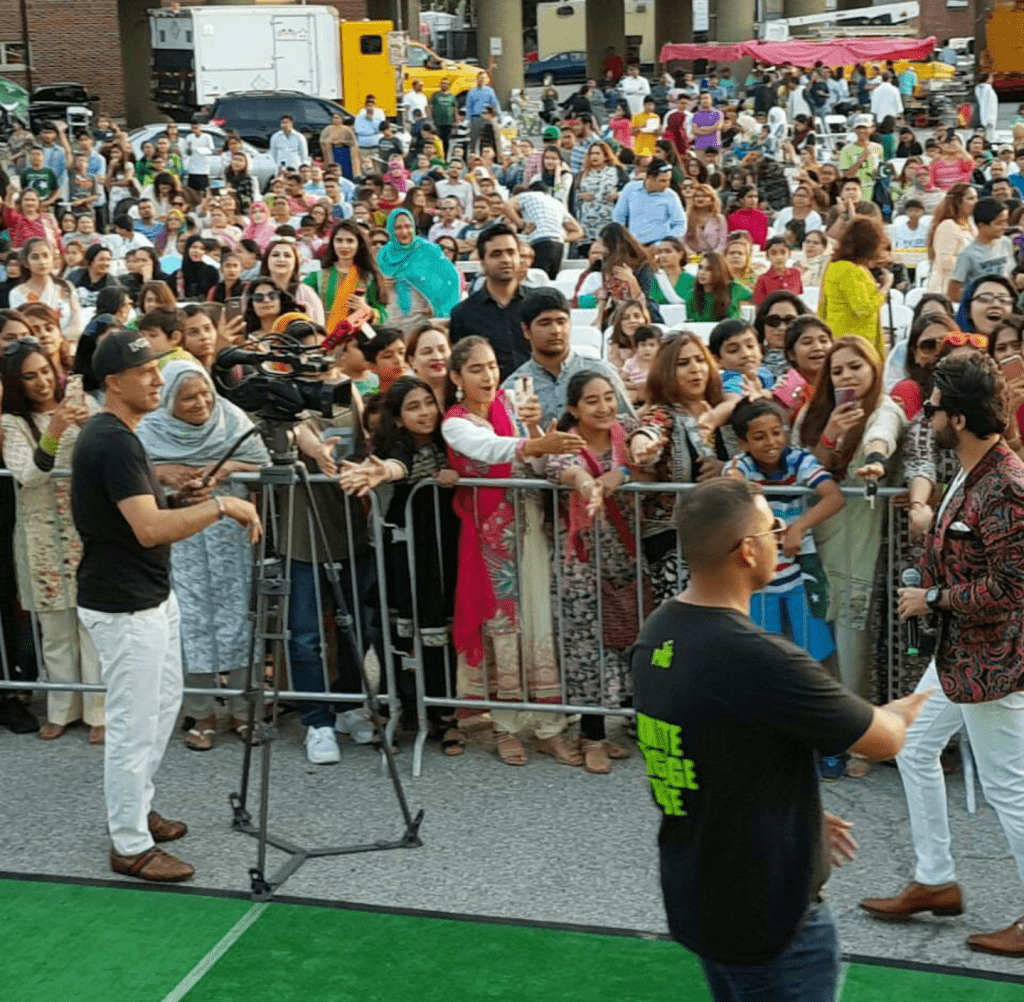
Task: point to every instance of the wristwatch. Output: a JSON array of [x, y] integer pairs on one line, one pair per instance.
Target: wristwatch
[[932, 597]]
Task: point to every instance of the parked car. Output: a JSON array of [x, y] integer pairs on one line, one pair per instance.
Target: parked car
[[52, 103], [256, 115], [261, 166], [564, 67]]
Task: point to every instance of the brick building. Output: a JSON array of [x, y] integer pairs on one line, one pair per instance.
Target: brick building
[[103, 44], [945, 20]]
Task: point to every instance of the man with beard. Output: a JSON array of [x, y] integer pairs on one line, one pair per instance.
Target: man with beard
[[973, 571]]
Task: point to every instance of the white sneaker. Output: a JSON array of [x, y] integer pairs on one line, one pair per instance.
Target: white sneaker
[[356, 724], [322, 746]]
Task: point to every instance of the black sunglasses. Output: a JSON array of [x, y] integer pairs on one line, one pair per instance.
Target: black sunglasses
[[28, 343], [777, 321], [930, 409], [266, 297]]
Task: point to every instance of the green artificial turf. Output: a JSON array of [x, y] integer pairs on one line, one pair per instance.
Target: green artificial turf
[[70, 943]]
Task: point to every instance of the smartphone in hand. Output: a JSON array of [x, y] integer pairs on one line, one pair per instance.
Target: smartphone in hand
[[846, 396], [1013, 367]]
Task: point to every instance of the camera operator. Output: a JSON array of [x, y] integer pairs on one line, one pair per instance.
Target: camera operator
[[125, 599], [322, 444]]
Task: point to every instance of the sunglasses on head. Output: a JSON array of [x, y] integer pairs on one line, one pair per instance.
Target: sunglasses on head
[[958, 339], [26, 343], [777, 529]]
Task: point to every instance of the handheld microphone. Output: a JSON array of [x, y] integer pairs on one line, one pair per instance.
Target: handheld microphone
[[344, 330], [911, 578]]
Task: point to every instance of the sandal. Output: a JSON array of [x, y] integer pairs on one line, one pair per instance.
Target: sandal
[[510, 749], [454, 742], [50, 732], [595, 757], [561, 749], [200, 737], [241, 728], [98, 734], [615, 750]]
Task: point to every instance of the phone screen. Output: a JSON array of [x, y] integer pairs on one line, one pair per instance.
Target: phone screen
[[1013, 367]]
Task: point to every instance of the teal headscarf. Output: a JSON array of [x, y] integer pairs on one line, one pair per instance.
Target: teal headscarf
[[419, 265]]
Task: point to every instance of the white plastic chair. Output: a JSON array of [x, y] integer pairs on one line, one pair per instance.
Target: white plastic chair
[[583, 318], [899, 319], [673, 315], [895, 366], [587, 340], [912, 297], [896, 296], [566, 286], [703, 331], [567, 274], [811, 296], [922, 272]]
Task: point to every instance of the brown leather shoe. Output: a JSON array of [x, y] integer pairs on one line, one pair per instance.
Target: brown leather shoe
[[914, 898], [153, 864], [1007, 942], [163, 830]]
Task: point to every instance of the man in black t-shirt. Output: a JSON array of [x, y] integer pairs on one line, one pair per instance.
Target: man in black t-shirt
[[125, 599], [729, 721]]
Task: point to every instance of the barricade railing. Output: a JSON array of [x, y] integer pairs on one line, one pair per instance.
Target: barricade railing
[[360, 578], [526, 497], [419, 640]]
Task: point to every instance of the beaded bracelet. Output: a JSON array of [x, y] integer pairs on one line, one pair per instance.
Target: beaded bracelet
[[49, 444]]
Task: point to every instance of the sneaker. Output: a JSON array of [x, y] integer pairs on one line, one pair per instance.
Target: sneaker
[[322, 746], [356, 724]]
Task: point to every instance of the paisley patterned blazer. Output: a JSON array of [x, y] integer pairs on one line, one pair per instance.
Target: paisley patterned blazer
[[976, 552]]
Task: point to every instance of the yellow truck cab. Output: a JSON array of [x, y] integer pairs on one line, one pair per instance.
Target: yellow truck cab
[[427, 66]]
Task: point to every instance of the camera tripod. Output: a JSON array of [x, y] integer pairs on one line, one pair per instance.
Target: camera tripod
[[270, 599]]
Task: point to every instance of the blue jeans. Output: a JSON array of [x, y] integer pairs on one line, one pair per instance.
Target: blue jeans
[[807, 971], [309, 583]]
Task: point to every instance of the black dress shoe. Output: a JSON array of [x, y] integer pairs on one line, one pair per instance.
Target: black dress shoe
[[16, 716]]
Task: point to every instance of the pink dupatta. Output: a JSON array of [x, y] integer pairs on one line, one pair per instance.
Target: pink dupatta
[[474, 595]]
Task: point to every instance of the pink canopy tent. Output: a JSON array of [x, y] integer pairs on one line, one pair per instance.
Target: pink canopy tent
[[832, 52]]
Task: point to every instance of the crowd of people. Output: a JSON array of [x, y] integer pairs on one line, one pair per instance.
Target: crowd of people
[[451, 242]]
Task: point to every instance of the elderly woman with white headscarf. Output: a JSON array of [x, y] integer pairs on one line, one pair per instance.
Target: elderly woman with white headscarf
[[211, 571]]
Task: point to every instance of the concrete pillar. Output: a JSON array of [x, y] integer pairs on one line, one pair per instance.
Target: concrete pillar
[[133, 22], [606, 25], [505, 22], [735, 20], [673, 22], [411, 18], [804, 8]]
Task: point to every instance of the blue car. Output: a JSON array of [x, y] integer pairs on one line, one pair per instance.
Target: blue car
[[564, 67]]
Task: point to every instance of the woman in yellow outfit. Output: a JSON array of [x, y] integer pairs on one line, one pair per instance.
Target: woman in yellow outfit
[[850, 297]]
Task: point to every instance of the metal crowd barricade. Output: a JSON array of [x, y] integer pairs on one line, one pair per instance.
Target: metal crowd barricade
[[410, 651], [363, 643]]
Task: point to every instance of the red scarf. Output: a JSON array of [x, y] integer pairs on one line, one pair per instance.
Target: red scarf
[[578, 518], [474, 595]]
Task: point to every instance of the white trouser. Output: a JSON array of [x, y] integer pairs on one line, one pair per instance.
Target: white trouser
[[996, 732], [70, 656], [140, 657]]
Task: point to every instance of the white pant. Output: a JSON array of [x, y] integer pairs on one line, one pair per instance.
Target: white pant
[[70, 656], [996, 732], [140, 657]]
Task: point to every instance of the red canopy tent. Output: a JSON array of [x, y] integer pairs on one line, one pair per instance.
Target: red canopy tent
[[832, 52]]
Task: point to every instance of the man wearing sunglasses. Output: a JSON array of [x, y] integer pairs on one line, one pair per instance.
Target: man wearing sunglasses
[[973, 577], [125, 599], [745, 846]]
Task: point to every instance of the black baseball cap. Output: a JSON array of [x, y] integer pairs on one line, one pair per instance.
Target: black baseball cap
[[124, 349]]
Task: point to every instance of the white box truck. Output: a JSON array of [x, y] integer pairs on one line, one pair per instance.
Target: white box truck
[[200, 53]]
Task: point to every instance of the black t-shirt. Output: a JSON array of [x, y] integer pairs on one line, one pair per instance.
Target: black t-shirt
[[117, 573], [729, 720]]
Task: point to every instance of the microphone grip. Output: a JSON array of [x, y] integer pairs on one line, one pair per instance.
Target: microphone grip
[[913, 635]]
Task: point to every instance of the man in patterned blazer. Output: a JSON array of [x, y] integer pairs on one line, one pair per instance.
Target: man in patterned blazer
[[973, 576]]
